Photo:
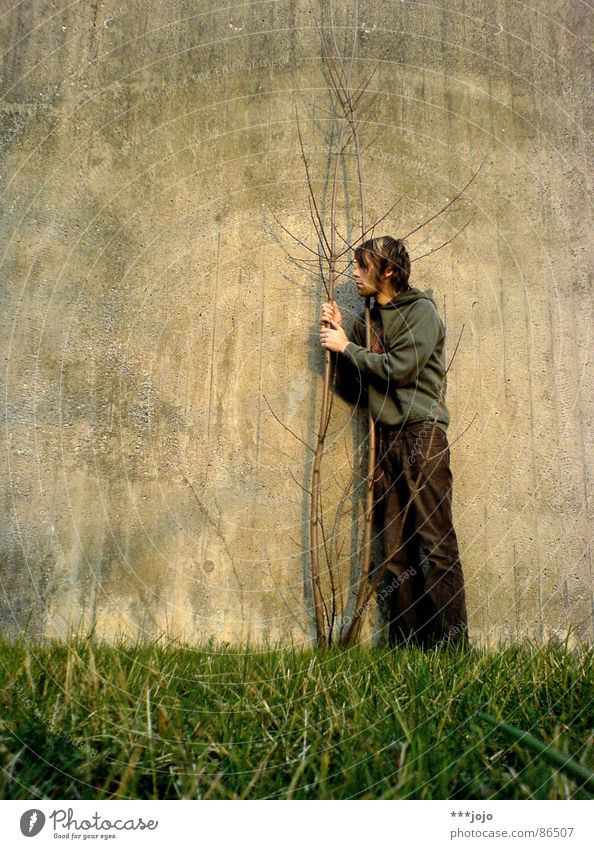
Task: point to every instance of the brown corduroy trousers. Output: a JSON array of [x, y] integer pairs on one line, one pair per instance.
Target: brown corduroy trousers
[[424, 580]]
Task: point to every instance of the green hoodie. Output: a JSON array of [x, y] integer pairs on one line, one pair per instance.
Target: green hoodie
[[403, 375]]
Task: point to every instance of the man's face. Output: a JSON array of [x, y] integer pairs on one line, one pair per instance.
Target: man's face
[[362, 276]]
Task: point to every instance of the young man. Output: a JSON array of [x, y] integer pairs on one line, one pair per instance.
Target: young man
[[403, 379]]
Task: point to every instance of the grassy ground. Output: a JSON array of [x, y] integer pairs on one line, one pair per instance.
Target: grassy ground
[[86, 720]]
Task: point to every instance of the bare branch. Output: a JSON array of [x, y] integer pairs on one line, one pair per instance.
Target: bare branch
[[460, 435], [320, 234], [447, 206], [309, 183], [299, 241], [366, 231], [307, 491], [434, 250], [457, 345], [374, 139], [331, 576], [287, 428]]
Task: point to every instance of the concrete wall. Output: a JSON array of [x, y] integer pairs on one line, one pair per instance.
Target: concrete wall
[[150, 307]]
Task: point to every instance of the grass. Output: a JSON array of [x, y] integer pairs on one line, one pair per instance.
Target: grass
[[94, 721]]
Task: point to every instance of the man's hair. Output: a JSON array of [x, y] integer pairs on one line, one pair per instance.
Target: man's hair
[[382, 253]]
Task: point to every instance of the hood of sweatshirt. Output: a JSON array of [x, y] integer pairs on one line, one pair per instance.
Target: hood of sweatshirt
[[408, 297]]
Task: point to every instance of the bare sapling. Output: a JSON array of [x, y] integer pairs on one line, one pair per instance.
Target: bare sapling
[[329, 614]]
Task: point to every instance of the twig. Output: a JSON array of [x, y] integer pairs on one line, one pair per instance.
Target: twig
[[307, 491], [372, 227], [447, 206], [286, 427], [434, 250], [310, 186], [298, 240]]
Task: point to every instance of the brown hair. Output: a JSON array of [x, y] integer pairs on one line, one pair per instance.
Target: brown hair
[[382, 253]]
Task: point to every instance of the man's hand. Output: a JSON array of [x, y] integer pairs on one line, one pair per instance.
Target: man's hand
[[333, 338], [330, 313]]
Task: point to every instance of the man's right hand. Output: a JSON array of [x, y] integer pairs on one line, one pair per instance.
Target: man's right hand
[[330, 312]]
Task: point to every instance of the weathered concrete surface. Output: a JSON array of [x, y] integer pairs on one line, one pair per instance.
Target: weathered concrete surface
[[150, 304]]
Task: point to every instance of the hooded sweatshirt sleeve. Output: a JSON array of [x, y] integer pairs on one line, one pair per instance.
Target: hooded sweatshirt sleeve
[[405, 354], [348, 376]]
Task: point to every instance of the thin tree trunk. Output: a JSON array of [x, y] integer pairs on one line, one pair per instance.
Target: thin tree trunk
[[316, 481]]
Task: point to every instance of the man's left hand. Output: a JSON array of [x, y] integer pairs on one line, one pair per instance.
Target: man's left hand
[[333, 338]]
